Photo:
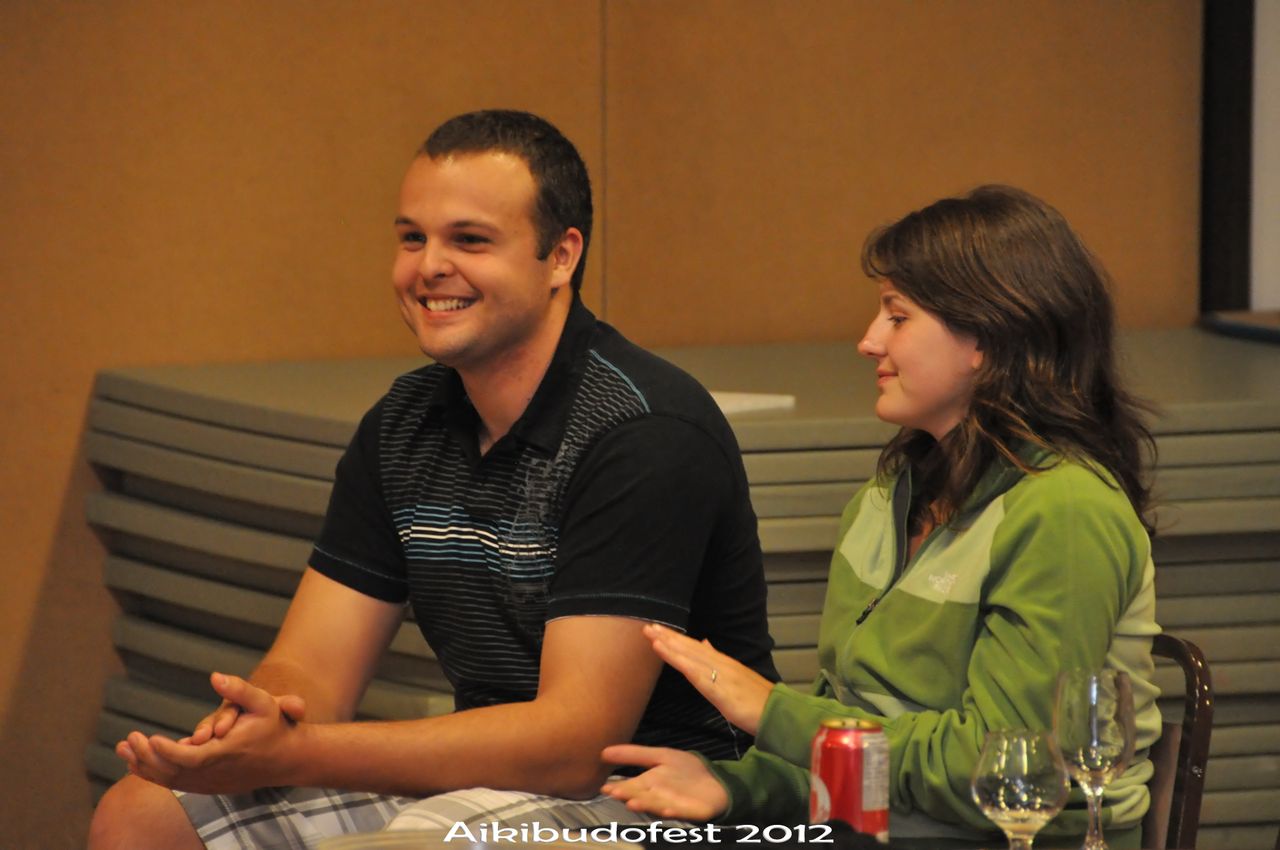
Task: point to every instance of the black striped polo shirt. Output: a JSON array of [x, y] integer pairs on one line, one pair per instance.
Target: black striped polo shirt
[[620, 491]]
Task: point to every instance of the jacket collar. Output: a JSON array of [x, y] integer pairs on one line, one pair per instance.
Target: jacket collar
[[1000, 476]]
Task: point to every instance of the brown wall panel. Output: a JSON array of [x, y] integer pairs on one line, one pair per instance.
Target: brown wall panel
[[753, 144], [202, 181]]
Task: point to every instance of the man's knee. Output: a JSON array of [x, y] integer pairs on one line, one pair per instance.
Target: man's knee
[[137, 815]]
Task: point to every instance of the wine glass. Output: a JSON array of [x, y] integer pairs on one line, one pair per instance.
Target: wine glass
[[1093, 718], [1020, 783]]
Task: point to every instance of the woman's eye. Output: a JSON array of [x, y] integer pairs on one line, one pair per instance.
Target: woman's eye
[[897, 320]]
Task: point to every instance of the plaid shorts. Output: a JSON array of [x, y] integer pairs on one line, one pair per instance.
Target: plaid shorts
[[298, 818]]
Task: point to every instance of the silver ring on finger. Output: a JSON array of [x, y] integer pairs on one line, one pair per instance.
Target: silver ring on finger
[[715, 674]]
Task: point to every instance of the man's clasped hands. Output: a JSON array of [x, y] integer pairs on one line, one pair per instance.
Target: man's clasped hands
[[252, 734]]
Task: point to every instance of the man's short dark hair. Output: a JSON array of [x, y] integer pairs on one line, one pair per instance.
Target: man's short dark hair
[[563, 187]]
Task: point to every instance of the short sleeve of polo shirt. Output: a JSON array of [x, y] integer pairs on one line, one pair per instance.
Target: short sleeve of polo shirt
[[358, 545], [640, 515]]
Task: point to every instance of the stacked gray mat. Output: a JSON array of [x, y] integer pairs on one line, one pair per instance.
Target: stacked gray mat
[[216, 477]]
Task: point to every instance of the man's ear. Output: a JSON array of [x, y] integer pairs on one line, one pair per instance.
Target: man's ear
[[565, 256]]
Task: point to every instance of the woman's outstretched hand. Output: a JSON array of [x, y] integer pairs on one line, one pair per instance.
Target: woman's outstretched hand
[[676, 785], [737, 691]]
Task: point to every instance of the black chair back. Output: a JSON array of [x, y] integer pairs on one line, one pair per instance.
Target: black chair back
[[1181, 754]]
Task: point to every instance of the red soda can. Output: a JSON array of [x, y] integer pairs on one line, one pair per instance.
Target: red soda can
[[849, 776]]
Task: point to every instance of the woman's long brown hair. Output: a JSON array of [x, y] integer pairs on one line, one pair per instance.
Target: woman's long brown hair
[[1004, 267]]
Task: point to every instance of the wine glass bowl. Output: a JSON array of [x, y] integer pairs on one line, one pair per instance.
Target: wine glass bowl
[[1094, 723], [1020, 783]]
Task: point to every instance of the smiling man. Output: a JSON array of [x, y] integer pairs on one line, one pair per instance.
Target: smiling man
[[536, 495]]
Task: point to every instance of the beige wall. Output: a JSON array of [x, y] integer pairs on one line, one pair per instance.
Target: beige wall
[[205, 181], [751, 145]]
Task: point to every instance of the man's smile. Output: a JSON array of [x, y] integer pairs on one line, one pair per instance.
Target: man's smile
[[445, 305]]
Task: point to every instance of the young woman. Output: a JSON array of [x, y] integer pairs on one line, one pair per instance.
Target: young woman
[[1001, 542]]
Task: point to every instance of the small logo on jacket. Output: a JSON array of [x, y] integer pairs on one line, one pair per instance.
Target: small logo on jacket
[[943, 582]]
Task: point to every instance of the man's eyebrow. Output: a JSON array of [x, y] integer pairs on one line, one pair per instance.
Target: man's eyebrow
[[468, 222], [405, 221]]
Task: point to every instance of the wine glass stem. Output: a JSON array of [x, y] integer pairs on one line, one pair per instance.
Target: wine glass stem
[[1093, 840], [1020, 842]]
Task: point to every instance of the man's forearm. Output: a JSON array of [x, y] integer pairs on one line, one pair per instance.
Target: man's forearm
[[524, 746], [281, 676], [597, 674]]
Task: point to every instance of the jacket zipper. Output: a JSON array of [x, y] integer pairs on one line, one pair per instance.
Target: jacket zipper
[[900, 542]]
